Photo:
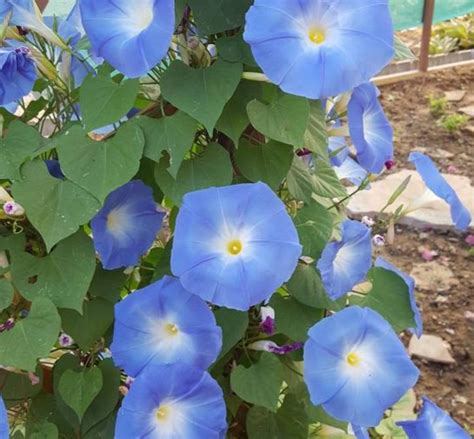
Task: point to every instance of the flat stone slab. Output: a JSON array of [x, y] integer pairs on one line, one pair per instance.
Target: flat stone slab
[[436, 214], [432, 276], [468, 110], [431, 348], [455, 95]]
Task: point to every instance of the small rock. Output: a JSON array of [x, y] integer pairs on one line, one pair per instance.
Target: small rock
[[459, 399], [468, 110], [455, 95], [440, 153], [469, 315], [433, 276], [431, 348], [450, 331], [424, 235]]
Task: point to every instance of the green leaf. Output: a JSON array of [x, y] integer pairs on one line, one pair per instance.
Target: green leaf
[[235, 49], [6, 294], [213, 16], [273, 119], [269, 163], [261, 424], [103, 101], [18, 387], [63, 276], [32, 337], [173, 134], [326, 182], [234, 119], [314, 225], [390, 297], [43, 430], [55, 207], [233, 324], [202, 93], [212, 168], [106, 400], [260, 384], [293, 318], [101, 167], [300, 181], [316, 136], [402, 51], [20, 143], [306, 286], [97, 316], [79, 389], [107, 284]]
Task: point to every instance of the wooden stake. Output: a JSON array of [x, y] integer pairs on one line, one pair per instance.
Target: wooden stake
[[428, 14]]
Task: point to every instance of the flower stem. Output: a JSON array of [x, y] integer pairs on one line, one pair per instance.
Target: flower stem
[[254, 76]]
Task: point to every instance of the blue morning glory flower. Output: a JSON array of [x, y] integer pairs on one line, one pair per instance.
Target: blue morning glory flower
[[168, 402], [131, 37], [370, 129], [410, 282], [54, 168], [17, 73], [437, 184], [234, 246], [4, 428], [350, 170], [345, 263], [164, 324], [125, 228], [356, 367], [433, 423], [314, 48], [360, 432]]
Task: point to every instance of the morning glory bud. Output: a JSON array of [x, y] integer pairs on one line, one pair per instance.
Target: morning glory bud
[[272, 347], [13, 209], [368, 221], [378, 240], [267, 324], [65, 340]]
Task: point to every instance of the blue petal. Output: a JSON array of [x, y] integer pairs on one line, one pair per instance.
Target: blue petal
[[433, 423], [370, 129], [439, 186], [380, 262], [353, 393], [132, 39], [194, 400], [360, 432], [212, 218], [54, 169], [345, 263], [278, 33], [140, 335], [17, 74], [4, 428], [126, 226], [352, 171]]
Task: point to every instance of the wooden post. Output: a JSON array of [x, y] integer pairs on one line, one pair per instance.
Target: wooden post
[[428, 14]]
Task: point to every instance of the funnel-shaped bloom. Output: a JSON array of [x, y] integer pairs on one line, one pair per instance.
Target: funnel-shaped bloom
[[356, 367], [315, 48], [433, 423], [17, 73], [352, 171], [345, 263], [4, 429], [370, 129], [234, 246], [410, 282], [133, 36], [126, 226], [164, 324], [437, 184], [171, 402]]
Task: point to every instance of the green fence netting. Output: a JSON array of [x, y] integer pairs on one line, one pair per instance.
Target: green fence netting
[[409, 13], [406, 13]]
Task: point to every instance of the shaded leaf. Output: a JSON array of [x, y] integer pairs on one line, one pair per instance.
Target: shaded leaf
[[233, 324]]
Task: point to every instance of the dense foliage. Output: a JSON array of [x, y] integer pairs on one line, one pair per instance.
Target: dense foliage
[[176, 257]]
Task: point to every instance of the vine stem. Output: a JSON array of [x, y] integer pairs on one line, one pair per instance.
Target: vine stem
[[254, 76]]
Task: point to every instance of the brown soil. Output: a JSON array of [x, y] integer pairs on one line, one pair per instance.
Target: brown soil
[[406, 104]]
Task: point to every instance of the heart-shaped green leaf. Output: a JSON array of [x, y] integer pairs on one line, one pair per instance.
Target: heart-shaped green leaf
[[55, 207], [79, 389], [103, 101], [101, 167], [63, 276], [260, 384], [6, 294], [32, 337], [202, 93]]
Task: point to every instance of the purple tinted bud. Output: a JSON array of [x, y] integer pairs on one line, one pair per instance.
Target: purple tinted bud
[[129, 381], [24, 313], [368, 221], [268, 326], [13, 209], [390, 164], [2, 328], [271, 346], [65, 340], [378, 240], [9, 324], [23, 51]]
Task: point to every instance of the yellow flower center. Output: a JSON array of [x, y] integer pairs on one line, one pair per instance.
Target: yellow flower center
[[353, 359], [317, 36], [234, 247], [162, 413], [171, 329]]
